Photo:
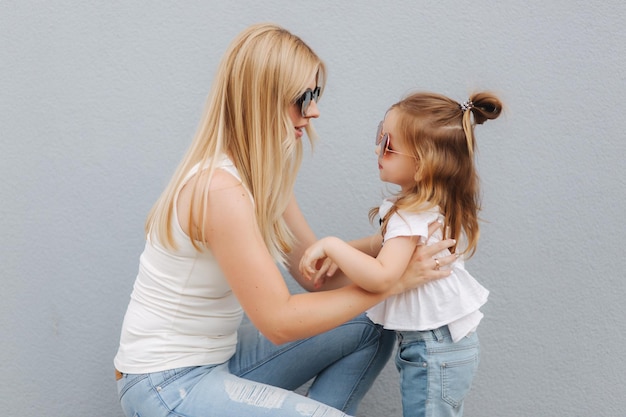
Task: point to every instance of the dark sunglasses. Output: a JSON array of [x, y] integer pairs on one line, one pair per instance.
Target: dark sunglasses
[[305, 99], [382, 139]]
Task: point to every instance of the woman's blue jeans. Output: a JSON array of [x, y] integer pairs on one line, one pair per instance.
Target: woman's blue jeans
[[435, 373], [260, 378]]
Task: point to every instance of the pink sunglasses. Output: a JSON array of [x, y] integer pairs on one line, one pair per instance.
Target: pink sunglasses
[[383, 141]]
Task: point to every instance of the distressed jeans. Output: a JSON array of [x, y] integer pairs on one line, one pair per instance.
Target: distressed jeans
[[260, 377]]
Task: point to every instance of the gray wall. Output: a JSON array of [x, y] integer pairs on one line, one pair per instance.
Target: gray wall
[[99, 101]]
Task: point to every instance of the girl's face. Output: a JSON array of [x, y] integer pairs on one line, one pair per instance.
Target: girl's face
[[396, 166], [299, 120]]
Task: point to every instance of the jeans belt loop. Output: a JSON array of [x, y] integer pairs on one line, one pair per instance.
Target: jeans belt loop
[[438, 334]]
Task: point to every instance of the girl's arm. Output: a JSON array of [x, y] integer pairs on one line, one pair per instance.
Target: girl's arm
[[370, 244], [374, 274], [256, 281], [327, 278], [420, 270]]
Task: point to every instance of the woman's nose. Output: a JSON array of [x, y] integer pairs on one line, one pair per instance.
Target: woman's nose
[[312, 111]]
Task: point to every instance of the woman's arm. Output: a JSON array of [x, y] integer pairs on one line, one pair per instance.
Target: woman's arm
[[304, 238], [373, 274], [256, 281]]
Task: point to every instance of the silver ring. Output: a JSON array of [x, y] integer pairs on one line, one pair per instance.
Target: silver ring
[[437, 265]]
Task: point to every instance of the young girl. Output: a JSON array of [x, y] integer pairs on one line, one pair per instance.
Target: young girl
[[426, 146], [213, 241]]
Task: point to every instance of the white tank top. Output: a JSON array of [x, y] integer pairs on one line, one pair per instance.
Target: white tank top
[[182, 311]]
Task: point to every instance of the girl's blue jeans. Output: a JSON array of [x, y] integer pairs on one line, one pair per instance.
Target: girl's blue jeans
[[435, 373], [260, 378]]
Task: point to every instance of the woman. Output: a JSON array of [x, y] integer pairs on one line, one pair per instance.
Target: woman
[[213, 241]]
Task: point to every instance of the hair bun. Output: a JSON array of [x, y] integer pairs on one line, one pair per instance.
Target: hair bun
[[485, 106]]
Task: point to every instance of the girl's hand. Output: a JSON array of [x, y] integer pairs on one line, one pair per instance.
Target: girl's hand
[[310, 259], [326, 271]]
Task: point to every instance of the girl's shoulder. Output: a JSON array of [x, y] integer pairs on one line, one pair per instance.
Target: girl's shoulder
[[427, 215]]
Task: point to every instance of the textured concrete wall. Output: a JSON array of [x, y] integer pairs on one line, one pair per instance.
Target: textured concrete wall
[[99, 100]]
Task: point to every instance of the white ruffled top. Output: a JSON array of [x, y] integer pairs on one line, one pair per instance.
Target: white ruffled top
[[453, 301]]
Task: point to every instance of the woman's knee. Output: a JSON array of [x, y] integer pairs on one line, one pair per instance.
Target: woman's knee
[[370, 333]]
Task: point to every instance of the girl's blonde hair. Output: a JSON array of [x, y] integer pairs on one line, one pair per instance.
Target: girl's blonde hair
[[263, 72], [439, 132]]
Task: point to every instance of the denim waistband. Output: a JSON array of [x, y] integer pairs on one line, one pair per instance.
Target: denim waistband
[[435, 335]]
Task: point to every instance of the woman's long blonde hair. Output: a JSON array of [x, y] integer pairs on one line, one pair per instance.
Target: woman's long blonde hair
[[264, 71], [439, 132]]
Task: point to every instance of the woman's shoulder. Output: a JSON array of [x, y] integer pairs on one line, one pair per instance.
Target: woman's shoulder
[[220, 179], [225, 177], [220, 170], [224, 163]]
